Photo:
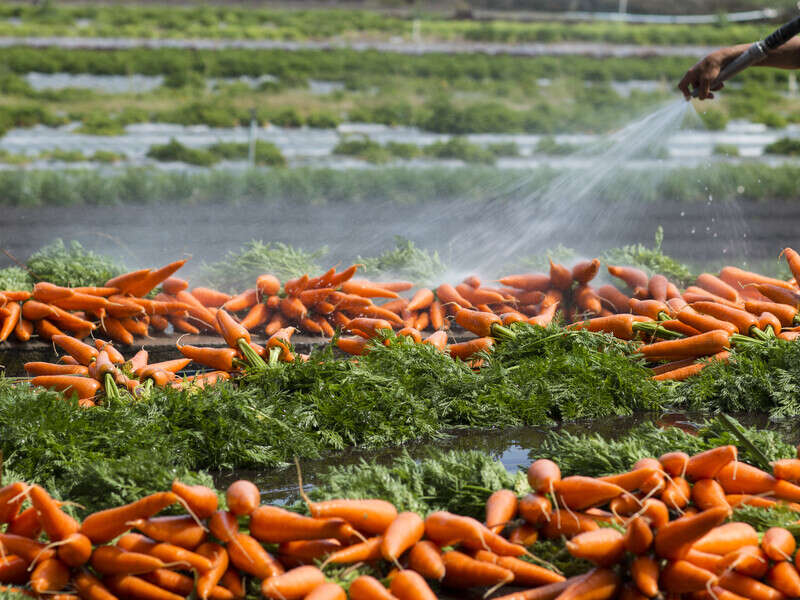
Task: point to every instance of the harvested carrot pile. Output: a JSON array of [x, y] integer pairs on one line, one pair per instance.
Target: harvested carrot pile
[[679, 332], [662, 528]]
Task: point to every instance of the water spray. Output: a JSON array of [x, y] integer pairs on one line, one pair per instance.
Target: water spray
[[756, 52]]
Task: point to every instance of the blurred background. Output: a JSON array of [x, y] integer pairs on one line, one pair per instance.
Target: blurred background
[[487, 132]]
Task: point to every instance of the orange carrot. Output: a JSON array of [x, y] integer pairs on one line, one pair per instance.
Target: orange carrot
[[426, 559], [242, 497], [130, 586], [44, 368], [405, 531], [477, 295], [201, 499], [578, 492], [173, 285], [466, 350], [232, 581], [182, 585], [675, 538], [105, 525], [785, 579], [26, 548], [585, 271], [369, 516], [535, 509], [682, 577], [208, 580], [716, 286], [268, 285], [294, 584], [598, 584], [421, 300], [367, 551], [91, 588], [272, 524], [49, 575], [242, 302], [169, 553], [56, 523], [778, 543], [10, 322], [409, 585], [111, 560], [748, 587], [353, 345], [209, 297], [604, 546], [501, 507], [294, 286], [528, 282], [249, 556], [179, 530], [708, 343], [741, 478], [447, 294], [437, 315], [306, 552], [220, 359], [365, 587], [327, 591], [83, 387], [747, 560], [367, 289], [146, 284], [482, 324], [560, 276], [708, 493], [567, 523], [116, 331], [727, 538], [543, 474], [461, 571], [638, 536]]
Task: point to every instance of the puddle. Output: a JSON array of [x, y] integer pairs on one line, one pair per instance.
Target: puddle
[[511, 446]]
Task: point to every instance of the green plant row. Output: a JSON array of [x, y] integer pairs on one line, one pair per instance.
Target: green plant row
[[406, 185], [232, 22], [392, 395]]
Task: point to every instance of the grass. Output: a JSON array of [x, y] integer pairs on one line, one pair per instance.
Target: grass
[[785, 146], [404, 185], [405, 261]]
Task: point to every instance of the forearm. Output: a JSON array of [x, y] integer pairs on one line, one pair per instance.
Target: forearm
[[783, 57]]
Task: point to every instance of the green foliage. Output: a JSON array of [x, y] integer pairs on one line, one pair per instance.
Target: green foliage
[[266, 153], [726, 150], [323, 120], [652, 260], [288, 117], [597, 455], [461, 149], [763, 518], [364, 148], [97, 123], [759, 379], [548, 145], [239, 270], [15, 278], [106, 156], [405, 261], [71, 265], [174, 151], [714, 120], [784, 145], [541, 262], [503, 149], [458, 481]]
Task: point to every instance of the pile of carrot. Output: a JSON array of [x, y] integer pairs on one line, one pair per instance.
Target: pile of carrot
[[662, 529], [680, 332]]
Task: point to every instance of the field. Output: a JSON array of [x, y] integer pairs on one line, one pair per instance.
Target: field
[[554, 258]]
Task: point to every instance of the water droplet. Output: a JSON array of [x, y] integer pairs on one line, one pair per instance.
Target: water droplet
[[683, 213], [693, 231], [740, 189], [715, 235]]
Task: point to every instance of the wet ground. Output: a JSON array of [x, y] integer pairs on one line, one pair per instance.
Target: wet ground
[[511, 446]]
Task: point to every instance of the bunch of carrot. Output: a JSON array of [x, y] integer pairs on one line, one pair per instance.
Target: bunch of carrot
[[86, 370], [662, 528]]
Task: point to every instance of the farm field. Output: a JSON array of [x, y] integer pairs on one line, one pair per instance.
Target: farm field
[[446, 301]]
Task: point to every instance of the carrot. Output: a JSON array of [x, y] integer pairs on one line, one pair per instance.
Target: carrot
[[11, 499], [638, 536], [679, 327], [560, 276], [209, 297], [741, 478], [201, 499], [705, 465], [543, 474], [327, 591], [369, 516], [708, 493], [218, 558], [116, 331], [422, 299], [23, 330], [272, 524], [83, 353], [535, 509], [179, 530], [294, 584], [409, 585], [604, 546], [173, 285], [26, 524], [169, 553], [146, 284], [727, 538], [482, 324], [365, 587], [447, 294], [105, 525], [275, 324], [587, 300], [567, 523], [525, 573], [632, 277], [466, 350], [747, 560], [682, 577], [74, 550], [585, 271], [579, 492], [644, 572], [545, 592], [26, 548], [743, 320], [367, 551], [545, 316], [220, 359], [437, 315], [737, 278], [611, 296], [404, 531], [422, 321], [184, 326], [684, 372], [182, 585], [268, 285], [425, 558], [597, 584], [707, 343], [632, 480], [249, 556], [232, 581], [324, 308], [477, 295], [45, 368], [293, 308], [657, 287], [57, 524], [294, 286], [241, 302], [353, 345], [111, 560], [675, 538], [91, 588], [376, 312], [49, 575], [528, 282], [463, 572], [130, 586], [501, 508], [83, 387], [748, 587], [126, 281], [778, 544], [367, 289], [716, 286], [306, 552], [47, 292], [10, 322], [242, 497], [121, 308], [784, 578]]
